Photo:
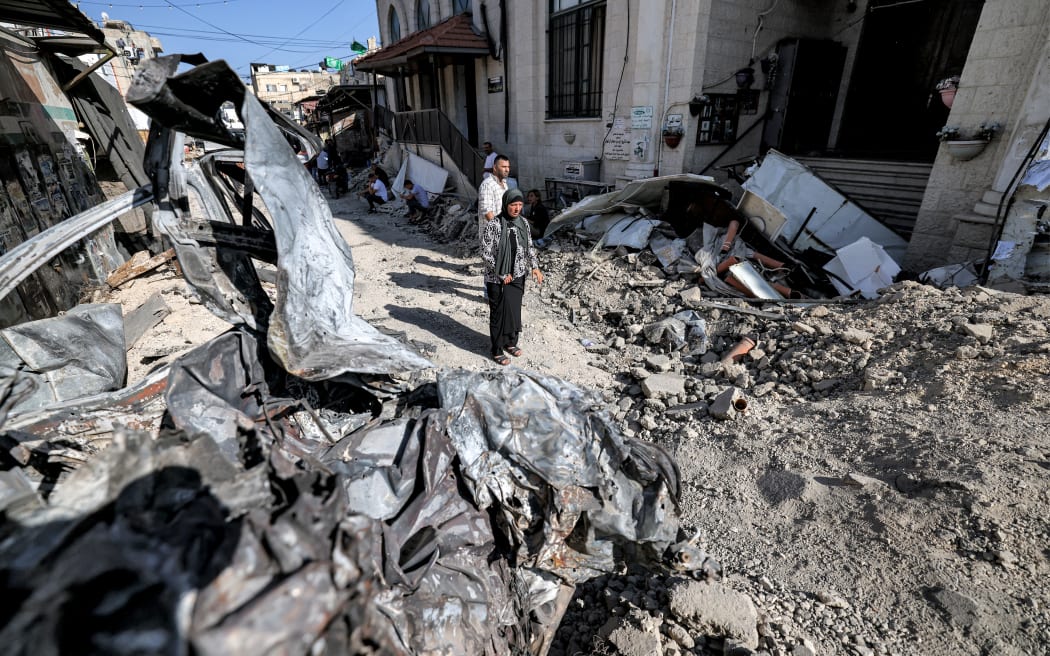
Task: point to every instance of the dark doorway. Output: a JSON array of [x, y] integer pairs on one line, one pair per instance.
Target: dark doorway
[[892, 110]]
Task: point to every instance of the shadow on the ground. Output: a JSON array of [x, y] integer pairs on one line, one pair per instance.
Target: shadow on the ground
[[463, 269], [437, 285], [388, 227], [446, 328]]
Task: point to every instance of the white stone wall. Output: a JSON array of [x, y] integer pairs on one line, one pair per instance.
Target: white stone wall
[[1003, 81], [709, 40]]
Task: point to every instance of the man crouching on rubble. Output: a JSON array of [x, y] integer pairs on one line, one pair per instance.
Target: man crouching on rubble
[[508, 253]]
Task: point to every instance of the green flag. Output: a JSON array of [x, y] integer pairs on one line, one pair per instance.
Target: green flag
[[358, 48], [333, 63]]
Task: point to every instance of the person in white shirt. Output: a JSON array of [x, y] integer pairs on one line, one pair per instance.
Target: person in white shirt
[[417, 199], [490, 160], [321, 166], [376, 193], [490, 196], [490, 193]]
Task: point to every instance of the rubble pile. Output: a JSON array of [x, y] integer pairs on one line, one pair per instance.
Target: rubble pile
[[818, 381]]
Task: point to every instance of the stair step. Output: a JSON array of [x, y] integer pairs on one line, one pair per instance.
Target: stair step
[[992, 197], [975, 218], [985, 209]]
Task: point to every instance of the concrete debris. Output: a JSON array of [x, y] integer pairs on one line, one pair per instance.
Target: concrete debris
[[729, 405], [714, 609]]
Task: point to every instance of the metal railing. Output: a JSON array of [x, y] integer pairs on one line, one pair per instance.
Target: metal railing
[[431, 126], [384, 119]]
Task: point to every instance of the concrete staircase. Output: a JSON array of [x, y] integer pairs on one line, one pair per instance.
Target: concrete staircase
[[888, 190], [975, 229]]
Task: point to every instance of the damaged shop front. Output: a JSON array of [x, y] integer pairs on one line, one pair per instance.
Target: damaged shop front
[[291, 486], [47, 168]]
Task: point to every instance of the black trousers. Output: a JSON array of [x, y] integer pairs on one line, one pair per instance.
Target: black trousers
[[373, 200], [505, 313]]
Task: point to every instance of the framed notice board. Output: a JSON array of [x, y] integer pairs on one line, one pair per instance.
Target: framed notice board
[[718, 119]]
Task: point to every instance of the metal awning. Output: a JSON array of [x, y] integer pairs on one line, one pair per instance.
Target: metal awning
[[54, 14]]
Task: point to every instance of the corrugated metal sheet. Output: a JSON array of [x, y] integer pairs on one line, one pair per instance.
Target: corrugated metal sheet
[[54, 14]]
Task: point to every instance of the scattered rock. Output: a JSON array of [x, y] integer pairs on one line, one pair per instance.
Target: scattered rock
[[663, 385], [712, 609]]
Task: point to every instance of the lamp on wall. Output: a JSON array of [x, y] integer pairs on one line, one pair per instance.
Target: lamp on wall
[[745, 77]]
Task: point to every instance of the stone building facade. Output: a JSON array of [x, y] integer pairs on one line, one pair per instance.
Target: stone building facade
[[603, 81], [283, 88]]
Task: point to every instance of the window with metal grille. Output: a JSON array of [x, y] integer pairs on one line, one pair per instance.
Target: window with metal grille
[[575, 45]]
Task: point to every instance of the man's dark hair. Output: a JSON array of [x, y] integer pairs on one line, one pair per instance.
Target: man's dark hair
[[487, 143], [409, 183], [501, 158], [534, 191]]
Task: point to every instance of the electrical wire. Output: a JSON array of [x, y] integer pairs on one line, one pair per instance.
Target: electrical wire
[[319, 19], [143, 5], [192, 33], [616, 97], [228, 33], [761, 21]]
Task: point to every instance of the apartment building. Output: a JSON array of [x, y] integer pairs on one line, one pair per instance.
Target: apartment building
[[282, 87]]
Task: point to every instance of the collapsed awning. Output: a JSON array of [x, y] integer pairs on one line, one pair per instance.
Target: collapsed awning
[[345, 97], [55, 14], [453, 38]]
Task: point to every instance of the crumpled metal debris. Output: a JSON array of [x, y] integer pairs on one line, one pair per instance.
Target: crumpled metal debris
[[312, 327], [458, 526], [66, 357], [288, 495]]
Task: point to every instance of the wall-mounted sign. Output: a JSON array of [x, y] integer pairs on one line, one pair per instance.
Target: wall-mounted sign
[[618, 143], [641, 117], [496, 84]]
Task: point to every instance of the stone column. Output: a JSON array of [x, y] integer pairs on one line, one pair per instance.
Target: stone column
[[649, 72]]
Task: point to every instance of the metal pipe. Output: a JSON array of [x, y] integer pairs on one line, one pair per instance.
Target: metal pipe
[[88, 71], [667, 82], [742, 348], [21, 261], [727, 243]]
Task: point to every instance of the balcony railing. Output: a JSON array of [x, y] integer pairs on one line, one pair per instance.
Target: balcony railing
[[431, 126]]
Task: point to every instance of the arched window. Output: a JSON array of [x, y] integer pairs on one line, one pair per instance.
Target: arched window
[[460, 6], [423, 14], [395, 26]]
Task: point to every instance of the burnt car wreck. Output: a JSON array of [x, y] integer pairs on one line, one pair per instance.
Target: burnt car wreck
[[291, 486]]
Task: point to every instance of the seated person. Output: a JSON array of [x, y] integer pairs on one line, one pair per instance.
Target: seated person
[[539, 217], [375, 193], [382, 175], [417, 199]]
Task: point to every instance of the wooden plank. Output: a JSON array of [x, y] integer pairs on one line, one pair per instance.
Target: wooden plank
[[139, 264], [144, 317]]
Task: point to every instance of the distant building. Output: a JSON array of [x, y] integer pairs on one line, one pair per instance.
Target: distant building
[[132, 47], [282, 88]]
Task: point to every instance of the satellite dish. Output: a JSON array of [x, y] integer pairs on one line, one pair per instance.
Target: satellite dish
[[105, 16]]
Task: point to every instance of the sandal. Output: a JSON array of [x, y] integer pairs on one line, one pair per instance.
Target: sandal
[[513, 350], [501, 359]]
